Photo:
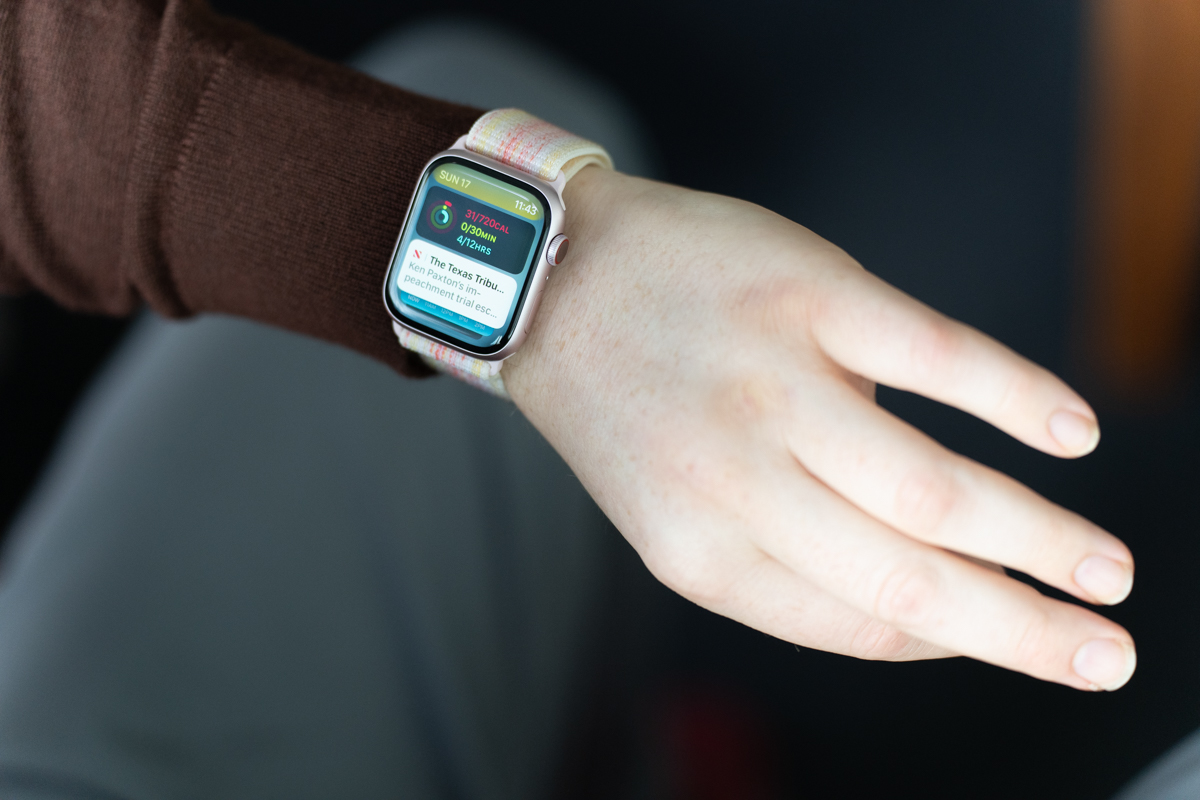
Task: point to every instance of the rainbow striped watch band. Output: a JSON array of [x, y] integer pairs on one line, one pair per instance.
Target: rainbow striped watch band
[[531, 145]]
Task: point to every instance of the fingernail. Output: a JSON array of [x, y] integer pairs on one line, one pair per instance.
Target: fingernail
[[1077, 434], [1105, 664], [1106, 580]]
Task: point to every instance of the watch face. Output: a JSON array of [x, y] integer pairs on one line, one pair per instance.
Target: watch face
[[470, 244]]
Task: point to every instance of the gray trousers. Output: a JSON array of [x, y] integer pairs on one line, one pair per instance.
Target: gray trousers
[[263, 566]]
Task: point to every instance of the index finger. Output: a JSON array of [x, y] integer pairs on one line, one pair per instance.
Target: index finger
[[879, 332]]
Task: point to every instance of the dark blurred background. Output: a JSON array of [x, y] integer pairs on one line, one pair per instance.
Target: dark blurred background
[[939, 143]]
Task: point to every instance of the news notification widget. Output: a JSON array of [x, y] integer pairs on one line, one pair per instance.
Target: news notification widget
[[459, 290]]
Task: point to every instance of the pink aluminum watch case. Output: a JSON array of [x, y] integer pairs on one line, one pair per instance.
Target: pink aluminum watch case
[[539, 274]]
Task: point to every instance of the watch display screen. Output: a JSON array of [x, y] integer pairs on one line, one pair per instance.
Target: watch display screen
[[464, 259]]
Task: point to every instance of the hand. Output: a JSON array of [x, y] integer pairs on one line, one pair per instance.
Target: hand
[[706, 367]]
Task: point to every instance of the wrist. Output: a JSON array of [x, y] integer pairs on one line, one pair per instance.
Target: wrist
[[575, 296], [581, 191]]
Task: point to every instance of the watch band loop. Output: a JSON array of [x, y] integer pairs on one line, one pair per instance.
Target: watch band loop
[[475, 371], [521, 140]]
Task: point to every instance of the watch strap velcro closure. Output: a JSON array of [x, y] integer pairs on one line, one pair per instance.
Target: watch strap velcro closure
[[521, 140]]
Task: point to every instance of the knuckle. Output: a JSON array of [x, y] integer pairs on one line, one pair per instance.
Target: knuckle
[[753, 400], [1018, 387], [908, 596], [1044, 548], [925, 499], [689, 572], [782, 305], [876, 641], [1033, 647], [936, 348]]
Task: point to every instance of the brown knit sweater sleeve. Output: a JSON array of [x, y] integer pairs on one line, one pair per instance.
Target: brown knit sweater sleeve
[[152, 151]]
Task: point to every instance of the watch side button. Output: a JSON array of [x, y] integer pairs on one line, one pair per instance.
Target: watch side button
[[556, 251]]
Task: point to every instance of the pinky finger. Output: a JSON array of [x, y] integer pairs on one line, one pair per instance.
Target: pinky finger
[[764, 594]]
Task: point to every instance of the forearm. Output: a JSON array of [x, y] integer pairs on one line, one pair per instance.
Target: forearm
[[155, 152]]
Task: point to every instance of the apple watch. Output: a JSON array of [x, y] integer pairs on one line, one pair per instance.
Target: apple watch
[[483, 230]]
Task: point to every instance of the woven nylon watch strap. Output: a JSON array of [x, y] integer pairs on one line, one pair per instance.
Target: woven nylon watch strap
[[531, 145], [523, 141]]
